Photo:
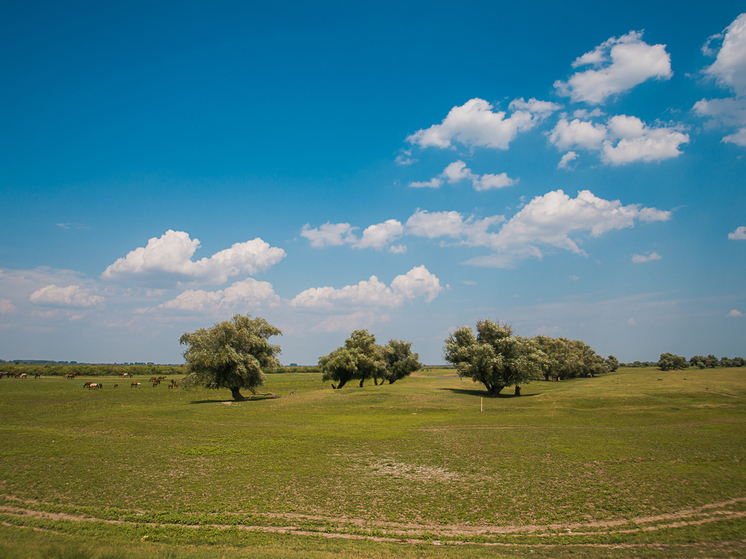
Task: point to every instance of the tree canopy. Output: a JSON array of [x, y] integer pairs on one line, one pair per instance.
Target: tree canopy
[[232, 354], [494, 357], [671, 362], [400, 361], [361, 358], [572, 358]]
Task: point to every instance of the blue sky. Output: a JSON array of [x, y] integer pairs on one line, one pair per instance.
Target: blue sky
[[572, 170]]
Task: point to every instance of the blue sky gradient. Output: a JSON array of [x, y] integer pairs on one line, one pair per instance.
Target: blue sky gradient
[[277, 135]]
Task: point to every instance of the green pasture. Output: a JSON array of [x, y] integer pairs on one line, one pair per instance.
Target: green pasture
[[638, 462]]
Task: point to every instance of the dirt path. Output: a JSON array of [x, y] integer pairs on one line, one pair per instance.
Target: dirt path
[[412, 533]]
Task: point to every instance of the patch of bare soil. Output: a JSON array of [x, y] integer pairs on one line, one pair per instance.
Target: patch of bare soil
[[392, 468], [413, 533]]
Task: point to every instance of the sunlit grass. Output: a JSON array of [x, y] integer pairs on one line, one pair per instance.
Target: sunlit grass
[[416, 459]]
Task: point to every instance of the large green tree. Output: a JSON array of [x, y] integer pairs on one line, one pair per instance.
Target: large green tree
[[360, 358], [400, 361], [494, 357], [232, 354]]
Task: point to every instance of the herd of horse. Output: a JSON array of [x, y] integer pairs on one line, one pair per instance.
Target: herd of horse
[[17, 375], [97, 385]]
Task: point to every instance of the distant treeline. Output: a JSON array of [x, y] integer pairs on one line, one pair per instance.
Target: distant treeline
[[59, 369], [294, 369], [671, 362]]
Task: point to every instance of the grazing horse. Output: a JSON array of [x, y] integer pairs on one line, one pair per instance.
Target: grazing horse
[[37, 375], [135, 385], [94, 385]]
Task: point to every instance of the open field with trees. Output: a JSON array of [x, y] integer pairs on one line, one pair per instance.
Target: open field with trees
[[636, 462]]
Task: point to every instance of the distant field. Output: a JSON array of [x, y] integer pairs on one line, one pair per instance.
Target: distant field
[[637, 463]]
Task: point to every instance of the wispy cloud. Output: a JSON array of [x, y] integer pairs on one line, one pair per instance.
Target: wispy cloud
[[649, 257], [68, 296]]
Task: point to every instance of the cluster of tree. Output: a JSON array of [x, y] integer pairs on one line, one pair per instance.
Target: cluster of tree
[[710, 362], [497, 358], [671, 362], [361, 358], [573, 358], [92, 370]]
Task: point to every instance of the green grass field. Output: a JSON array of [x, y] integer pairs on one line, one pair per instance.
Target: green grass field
[[637, 463]]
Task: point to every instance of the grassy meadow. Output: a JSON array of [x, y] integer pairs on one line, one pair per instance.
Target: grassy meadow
[[635, 463]]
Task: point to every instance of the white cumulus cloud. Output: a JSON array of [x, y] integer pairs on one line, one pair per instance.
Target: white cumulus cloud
[[69, 296], [739, 234], [618, 65], [552, 219], [729, 72], [729, 68], [638, 142], [475, 124], [577, 134], [735, 312], [471, 231], [623, 139], [241, 295], [380, 235], [377, 236], [418, 282], [169, 258], [457, 171]]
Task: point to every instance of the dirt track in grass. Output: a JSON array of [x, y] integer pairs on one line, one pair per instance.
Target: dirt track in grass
[[413, 533]]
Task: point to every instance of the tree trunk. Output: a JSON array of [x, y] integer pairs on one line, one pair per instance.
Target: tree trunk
[[237, 396], [493, 391], [517, 390], [340, 385], [375, 381], [362, 380]]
